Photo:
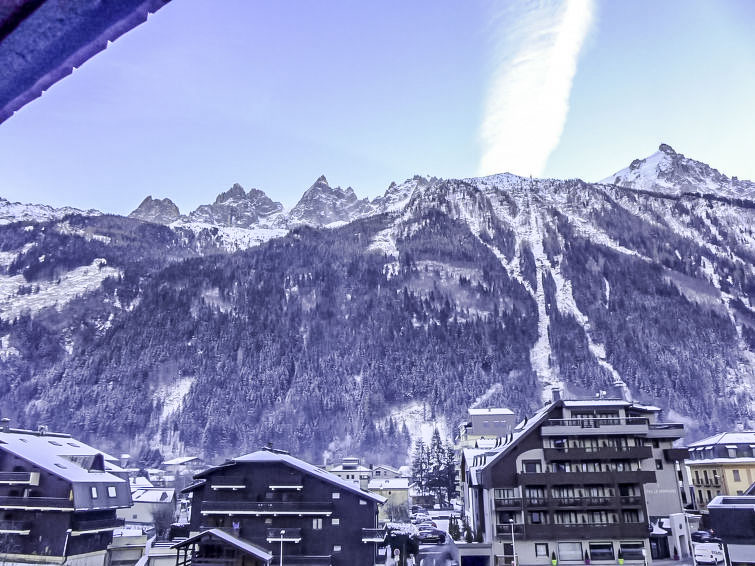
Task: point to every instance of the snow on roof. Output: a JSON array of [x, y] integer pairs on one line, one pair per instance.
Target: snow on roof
[[54, 452], [595, 402], [140, 481], [153, 495], [491, 411], [486, 443], [180, 460], [388, 483], [744, 437], [386, 467], [349, 468], [241, 544], [266, 456]]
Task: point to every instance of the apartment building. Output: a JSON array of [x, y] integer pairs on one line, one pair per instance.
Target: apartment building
[[58, 499], [579, 479], [284, 506], [722, 464]]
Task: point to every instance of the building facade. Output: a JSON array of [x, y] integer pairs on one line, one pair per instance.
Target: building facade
[[58, 499], [351, 469], [286, 506], [580, 479], [723, 464]]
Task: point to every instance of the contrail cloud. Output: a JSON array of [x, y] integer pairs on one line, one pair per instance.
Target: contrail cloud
[[536, 51]]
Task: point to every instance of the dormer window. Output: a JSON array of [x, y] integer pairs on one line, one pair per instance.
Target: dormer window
[[111, 491], [93, 491]]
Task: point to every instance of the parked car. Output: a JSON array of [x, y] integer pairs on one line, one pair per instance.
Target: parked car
[[708, 553]]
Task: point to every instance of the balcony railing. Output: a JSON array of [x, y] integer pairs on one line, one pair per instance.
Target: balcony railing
[[14, 527], [19, 478], [228, 482], [503, 530], [289, 534], [42, 503], [597, 423], [599, 453], [508, 502], [588, 530], [581, 478], [97, 524], [596, 501], [266, 507]]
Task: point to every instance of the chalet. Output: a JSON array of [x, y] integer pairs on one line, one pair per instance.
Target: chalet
[[58, 498], [284, 506]]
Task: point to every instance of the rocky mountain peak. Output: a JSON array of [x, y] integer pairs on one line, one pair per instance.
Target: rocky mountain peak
[[160, 211], [322, 204], [236, 207]]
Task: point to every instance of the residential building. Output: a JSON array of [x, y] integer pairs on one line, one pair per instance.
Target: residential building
[[485, 423], [723, 464], [222, 548], [596, 476], [351, 469], [282, 504], [381, 471], [396, 493], [151, 507], [58, 498], [732, 518]]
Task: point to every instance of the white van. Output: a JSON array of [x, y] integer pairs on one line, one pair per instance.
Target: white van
[[709, 553]]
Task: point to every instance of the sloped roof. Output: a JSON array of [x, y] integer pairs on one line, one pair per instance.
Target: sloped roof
[[58, 454], [743, 437], [269, 457], [180, 460], [236, 542], [153, 495]]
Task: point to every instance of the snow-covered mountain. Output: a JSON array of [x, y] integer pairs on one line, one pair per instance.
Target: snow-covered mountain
[[159, 211], [436, 294], [18, 212], [238, 208], [669, 172]]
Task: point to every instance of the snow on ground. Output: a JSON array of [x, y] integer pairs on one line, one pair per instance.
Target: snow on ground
[[6, 350], [384, 242], [417, 417], [18, 212], [233, 238], [44, 294], [172, 395]]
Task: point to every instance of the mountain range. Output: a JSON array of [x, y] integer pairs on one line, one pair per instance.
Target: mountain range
[[344, 324]]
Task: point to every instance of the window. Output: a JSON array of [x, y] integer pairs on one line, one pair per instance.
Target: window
[[54, 443], [532, 467], [697, 477], [570, 551], [732, 452], [377, 473], [317, 523], [336, 548], [536, 517], [735, 473], [362, 502], [709, 495], [601, 551], [335, 521], [541, 549], [658, 464], [94, 492], [111, 491], [632, 550], [336, 495]]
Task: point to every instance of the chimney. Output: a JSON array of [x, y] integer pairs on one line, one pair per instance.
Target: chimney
[[556, 394], [42, 430], [5, 424]]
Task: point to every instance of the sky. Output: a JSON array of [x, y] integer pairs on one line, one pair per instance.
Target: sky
[[273, 94]]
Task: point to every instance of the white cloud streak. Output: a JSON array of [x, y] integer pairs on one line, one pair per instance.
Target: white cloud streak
[[536, 52]]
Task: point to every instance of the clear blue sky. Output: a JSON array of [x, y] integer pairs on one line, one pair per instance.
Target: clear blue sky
[[272, 94]]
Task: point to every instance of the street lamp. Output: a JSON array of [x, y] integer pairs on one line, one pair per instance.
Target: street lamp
[[513, 542], [281, 555]]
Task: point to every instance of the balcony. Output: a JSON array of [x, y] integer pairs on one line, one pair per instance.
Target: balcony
[[665, 430], [503, 530], [274, 508], [19, 478], [508, 503], [588, 530], [288, 535], [228, 482], [373, 535], [599, 453], [585, 478], [36, 503], [597, 501], [593, 427], [81, 526], [15, 527]]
